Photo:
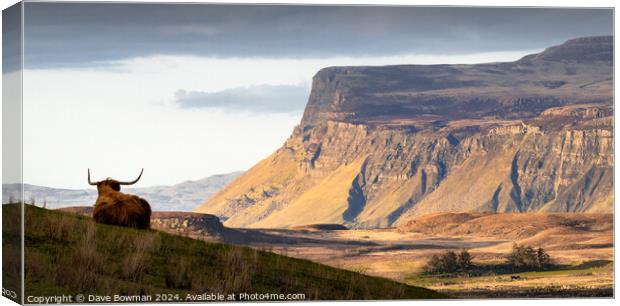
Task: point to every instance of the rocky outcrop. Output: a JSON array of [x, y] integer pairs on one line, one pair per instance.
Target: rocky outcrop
[[188, 224], [197, 225], [378, 146]]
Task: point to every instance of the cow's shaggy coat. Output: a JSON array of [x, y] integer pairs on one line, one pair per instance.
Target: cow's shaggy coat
[[116, 208]]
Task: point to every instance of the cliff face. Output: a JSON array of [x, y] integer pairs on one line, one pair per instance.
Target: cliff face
[[380, 145]]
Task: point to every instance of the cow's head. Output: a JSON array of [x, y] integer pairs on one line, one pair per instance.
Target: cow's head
[[112, 183]]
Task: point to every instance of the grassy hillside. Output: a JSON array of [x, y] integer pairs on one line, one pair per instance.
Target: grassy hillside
[[70, 254]]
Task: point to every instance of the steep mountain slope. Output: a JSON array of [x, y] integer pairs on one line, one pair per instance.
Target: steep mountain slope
[[179, 197], [378, 146]]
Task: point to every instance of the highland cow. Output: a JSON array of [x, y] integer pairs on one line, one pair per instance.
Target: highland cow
[[116, 208]]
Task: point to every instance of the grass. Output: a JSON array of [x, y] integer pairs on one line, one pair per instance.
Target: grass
[[587, 267], [11, 251], [589, 279], [70, 254]]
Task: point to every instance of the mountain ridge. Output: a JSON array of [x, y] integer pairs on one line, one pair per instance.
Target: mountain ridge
[[182, 196], [378, 146]]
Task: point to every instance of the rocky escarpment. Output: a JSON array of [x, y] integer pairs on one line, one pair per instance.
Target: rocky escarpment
[[197, 225], [378, 146], [189, 224]]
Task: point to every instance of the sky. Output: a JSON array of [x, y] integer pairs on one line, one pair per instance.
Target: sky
[[187, 91]]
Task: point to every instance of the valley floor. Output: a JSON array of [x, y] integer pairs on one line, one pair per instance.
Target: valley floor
[[585, 258]]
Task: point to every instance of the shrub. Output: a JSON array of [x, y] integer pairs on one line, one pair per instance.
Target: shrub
[[449, 262], [464, 260], [528, 258]]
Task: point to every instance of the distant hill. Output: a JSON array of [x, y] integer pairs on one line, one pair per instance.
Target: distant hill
[[179, 197], [511, 226], [106, 260], [379, 146]]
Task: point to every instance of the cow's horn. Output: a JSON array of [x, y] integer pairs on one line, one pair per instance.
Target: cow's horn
[[89, 182], [134, 181]]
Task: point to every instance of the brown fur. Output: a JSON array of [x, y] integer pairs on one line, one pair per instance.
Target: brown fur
[[117, 208]]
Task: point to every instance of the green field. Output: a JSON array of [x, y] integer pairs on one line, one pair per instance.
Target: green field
[[69, 254], [590, 279]]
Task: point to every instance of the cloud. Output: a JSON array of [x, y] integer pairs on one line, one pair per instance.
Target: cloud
[[11, 39], [70, 34], [259, 98], [93, 111]]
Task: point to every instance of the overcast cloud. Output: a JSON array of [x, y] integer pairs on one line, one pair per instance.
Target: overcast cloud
[[76, 34]]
